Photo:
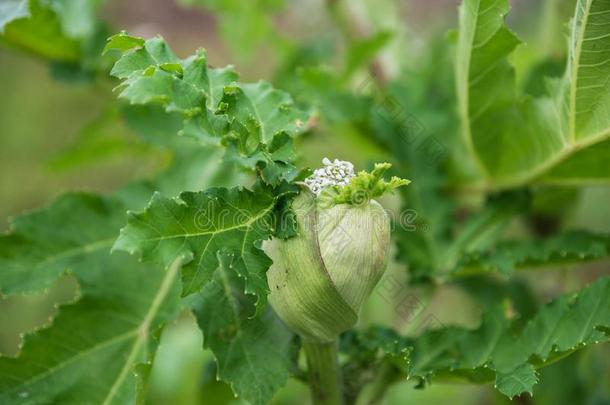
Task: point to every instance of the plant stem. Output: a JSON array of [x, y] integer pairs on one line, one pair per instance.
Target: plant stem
[[375, 392], [324, 373]]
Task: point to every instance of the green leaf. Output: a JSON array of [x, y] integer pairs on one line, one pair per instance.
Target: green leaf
[[67, 33], [254, 121], [585, 166], [497, 351], [41, 33], [93, 349], [66, 235], [518, 381], [375, 350], [254, 355], [555, 129], [199, 224], [99, 141], [123, 42], [485, 226], [566, 248], [485, 80], [361, 52], [44, 244], [113, 328]]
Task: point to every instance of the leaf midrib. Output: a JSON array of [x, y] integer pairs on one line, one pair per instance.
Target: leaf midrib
[[143, 329], [78, 356], [574, 78], [87, 248], [246, 224]]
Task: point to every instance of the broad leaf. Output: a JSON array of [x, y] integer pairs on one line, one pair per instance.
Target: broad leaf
[[92, 352], [483, 228], [501, 350], [517, 141], [255, 121], [254, 355], [95, 347], [41, 33], [497, 351], [485, 80], [559, 250], [59, 30], [67, 234], [200, 225], [64, 236]]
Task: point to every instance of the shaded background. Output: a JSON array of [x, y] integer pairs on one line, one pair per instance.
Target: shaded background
[[53, 138]]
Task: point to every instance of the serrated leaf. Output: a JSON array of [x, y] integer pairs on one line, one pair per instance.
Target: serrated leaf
[[254, 121], [64, 236], [518, 381], [556, 129], [99, 349], [372, 350], [200, 224], [91, 352], [254, 355], [123, 42], [562, 249], [483, 228], [497, 351]]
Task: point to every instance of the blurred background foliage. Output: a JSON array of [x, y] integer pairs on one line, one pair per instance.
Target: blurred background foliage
[[61, 130]]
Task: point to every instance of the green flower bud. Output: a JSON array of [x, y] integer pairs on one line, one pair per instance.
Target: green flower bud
[[320, 278]]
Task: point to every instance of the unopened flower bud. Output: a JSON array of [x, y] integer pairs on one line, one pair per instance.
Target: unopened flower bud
[[320, 278]]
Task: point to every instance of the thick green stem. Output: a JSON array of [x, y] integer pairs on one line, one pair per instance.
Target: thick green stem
[[324, 373]]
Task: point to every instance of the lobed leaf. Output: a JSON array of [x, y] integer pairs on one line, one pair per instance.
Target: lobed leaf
[[67, 235], [500, 351], [505, 351], [562, 249], [254, 121], [99, 349], [556, 130], [254, 355], [200, 224], [95, 347]]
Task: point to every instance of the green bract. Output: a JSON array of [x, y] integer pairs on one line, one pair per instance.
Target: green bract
[[320, 278]]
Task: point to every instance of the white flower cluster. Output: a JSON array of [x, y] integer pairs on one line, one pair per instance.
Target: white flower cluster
[[336, 173]]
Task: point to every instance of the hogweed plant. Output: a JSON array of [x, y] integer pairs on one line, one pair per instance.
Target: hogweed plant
[[276, 262]]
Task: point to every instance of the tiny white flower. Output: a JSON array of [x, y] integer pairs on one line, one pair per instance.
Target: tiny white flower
[[335, 173]]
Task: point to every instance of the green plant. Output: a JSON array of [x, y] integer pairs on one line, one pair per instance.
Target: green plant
[[497, 153]]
